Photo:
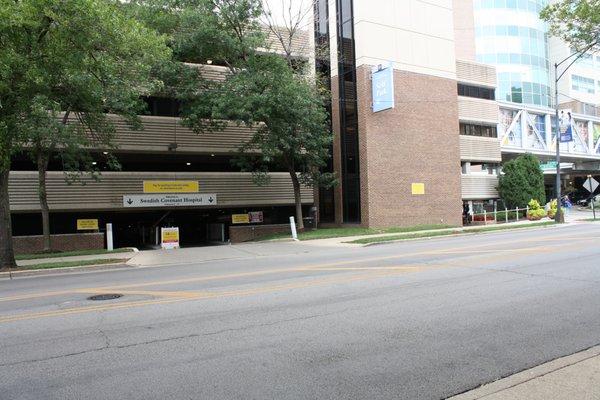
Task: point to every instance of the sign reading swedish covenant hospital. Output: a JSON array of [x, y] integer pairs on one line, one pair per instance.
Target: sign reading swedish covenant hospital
[[170, 200]]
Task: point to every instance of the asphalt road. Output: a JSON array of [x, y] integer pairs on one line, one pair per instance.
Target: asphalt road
[[414, 320]]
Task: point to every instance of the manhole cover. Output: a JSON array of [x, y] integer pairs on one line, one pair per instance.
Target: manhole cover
[[110, 296]]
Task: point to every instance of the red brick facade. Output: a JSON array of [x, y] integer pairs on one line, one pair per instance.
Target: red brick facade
[[416, 142], [240, 234], [68, 242]]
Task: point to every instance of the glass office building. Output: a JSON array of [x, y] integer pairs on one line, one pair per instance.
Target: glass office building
[[510, 36]]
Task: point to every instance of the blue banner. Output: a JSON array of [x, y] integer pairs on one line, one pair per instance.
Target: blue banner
[[383, 88], [567, 135]]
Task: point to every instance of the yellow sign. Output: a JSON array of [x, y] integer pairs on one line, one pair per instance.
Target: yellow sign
[[171, 187], [418, 188], [87, 224], [240, 218], [170, 236]]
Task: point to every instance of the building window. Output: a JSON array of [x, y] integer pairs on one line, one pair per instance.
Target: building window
[[483, 169], [348, 113], [582, 84], [162, 106], [323, 69], [476, 91], [478, 130]]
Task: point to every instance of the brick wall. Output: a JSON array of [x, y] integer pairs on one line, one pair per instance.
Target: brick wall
[[67, 242], [416, 142], [239, 234]]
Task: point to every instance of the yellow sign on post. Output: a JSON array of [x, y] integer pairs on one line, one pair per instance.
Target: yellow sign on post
[[240, 218], [87, 224], [418, 188], [171, 187], [169, 238]]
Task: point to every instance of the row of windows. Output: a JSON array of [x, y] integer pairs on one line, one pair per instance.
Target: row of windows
[[516, 95], [478, 130], [476, 91], [523, 5], [584, 85], [514, 58], [587, 60], [469, 168], [524, 86], [510, 30]]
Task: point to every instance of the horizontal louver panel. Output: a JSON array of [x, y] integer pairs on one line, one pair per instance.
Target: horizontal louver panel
[[232, 189], [479, 187], [477, 110], [475, 73], [473, 148]]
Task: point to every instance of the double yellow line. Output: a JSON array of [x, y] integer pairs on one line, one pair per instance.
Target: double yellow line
[[167, 297]]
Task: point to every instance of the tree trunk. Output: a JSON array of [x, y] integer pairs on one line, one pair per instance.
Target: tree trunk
[[298, 201], [42, 164], [7, 255]]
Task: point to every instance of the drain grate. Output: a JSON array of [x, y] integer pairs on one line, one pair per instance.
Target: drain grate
[[110, 296]]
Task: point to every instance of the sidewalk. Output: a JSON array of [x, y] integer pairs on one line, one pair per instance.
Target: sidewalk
[[573, 377], [251, 249], [343, 241]]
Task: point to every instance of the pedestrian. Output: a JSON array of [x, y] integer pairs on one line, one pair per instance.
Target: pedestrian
[[466, 214]]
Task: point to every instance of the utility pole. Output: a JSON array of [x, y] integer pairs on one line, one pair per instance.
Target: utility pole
[[560, 218]]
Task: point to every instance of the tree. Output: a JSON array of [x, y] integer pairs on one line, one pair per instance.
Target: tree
[[575, 21], [79, 58], [522, 180], [287, 110], [272, 93]]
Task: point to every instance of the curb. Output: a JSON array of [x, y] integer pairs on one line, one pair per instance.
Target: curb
[[460, 233], [527, 375], [55, 271]]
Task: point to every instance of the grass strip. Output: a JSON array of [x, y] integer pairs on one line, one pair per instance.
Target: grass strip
[[383, 239], [65, 264], [37, 256], [328, 233]]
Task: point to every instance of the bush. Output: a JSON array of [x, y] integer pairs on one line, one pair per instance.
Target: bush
[[534, 204], [535, 215], [522, 180], [511, 215]]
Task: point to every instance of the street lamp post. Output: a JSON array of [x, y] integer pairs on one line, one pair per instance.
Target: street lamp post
[[559, 214]]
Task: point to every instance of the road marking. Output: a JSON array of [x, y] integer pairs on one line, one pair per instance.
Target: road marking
[[187, 296], [464, 250]]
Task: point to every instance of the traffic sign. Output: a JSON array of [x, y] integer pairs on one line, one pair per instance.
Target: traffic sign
[[591, 185]]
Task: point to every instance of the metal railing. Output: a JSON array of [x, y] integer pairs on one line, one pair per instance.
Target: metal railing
[[505, 215]]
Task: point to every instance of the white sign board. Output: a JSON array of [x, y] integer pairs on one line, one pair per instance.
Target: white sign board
[[590, 185], [169, 238], [170, 200]]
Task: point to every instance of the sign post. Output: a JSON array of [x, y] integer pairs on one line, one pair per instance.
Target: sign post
[[591, 185], [293, 227], [109, 237]]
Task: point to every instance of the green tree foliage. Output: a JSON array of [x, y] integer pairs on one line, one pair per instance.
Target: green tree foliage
[[575, 21], [61, 59], [287, 110], [521, 181], [262, 90]]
